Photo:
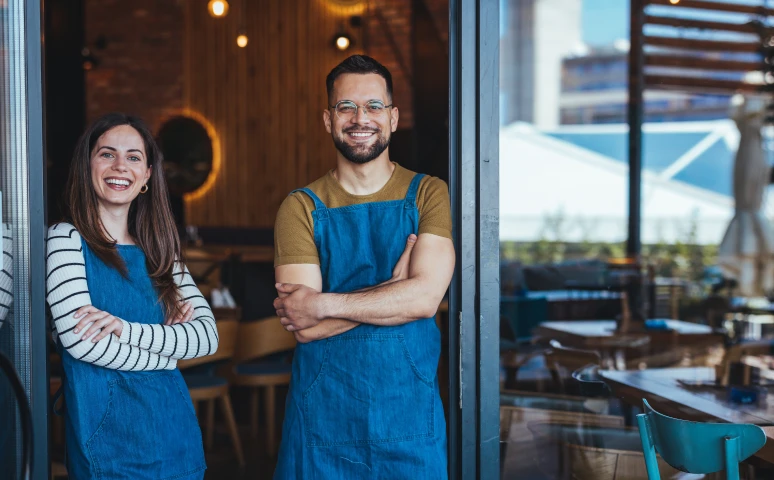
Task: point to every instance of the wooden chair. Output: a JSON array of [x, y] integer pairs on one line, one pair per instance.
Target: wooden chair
[[563, 361], [734, 354], [591, 447], [520, 450], [694, 447], [262, 361], [208, 387]]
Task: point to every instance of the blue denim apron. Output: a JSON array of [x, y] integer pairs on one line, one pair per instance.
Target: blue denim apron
[[365, 404], [128, 425]]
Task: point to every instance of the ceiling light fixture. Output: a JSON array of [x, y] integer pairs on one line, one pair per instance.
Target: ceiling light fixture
[[218, 8], [242, 40]]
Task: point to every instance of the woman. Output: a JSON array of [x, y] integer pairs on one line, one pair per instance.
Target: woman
[[125, 310]]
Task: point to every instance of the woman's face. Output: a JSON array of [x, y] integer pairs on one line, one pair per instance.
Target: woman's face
[[119, 166]]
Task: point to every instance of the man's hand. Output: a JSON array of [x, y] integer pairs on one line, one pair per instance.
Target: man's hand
[[298, 305], [401, 270], [299, 308]]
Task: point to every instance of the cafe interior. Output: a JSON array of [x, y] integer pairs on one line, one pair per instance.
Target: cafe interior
[[623, 355]]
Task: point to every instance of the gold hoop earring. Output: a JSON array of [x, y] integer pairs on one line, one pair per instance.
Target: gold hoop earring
[[144, 188]]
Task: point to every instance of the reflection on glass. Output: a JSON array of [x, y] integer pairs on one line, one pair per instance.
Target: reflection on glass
[[14, 274], [7, 402], [6, 275], [588, 329]]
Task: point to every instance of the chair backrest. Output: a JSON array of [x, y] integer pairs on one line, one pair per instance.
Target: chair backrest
[[734, 354], [569, 359], [262, 337], [227, 339], [694, 447], [590, 382], [562, 361]]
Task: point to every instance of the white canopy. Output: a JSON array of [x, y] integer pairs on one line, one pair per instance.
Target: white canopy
[[551, 189]]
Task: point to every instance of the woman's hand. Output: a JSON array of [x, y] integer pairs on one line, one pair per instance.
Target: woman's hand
[[103, 323], [183, 314]]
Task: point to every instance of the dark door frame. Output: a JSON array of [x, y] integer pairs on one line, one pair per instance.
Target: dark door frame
[[474, 319], [36, 188]]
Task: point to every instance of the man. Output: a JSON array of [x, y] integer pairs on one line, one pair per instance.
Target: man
[[364, 399]]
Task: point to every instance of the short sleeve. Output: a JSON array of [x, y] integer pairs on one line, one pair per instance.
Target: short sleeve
[[294, 232], [434, 208]]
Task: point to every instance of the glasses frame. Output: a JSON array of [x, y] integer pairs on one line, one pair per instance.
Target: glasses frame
[[335, 108]]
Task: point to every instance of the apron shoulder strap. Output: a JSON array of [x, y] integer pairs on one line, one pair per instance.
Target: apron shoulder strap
[[318, 204], [411, 195]]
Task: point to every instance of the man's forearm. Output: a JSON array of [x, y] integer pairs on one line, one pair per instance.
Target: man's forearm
[[325, 329], [330, 327], [377, 305], [393, 303]]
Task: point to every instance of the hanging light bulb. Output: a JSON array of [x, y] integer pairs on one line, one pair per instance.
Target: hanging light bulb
[[218, 8], [342, 41], [242, 40], [674, 2]]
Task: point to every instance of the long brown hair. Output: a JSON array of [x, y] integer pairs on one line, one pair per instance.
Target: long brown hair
[[151, 222]]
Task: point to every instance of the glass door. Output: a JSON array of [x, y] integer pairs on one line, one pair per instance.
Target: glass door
[[23, 334]]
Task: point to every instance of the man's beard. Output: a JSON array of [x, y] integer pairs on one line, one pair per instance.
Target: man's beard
[[361, 154]]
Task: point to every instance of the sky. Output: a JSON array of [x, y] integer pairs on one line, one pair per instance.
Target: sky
[[604, 21]]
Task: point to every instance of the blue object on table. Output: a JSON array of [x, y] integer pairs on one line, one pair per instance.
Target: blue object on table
[[743, 395], [656, 325], [694, 447]]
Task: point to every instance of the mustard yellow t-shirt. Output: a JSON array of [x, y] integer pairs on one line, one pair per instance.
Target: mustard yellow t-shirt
[[294, 227]]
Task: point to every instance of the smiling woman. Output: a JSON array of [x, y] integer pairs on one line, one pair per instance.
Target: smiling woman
[[122, 300]]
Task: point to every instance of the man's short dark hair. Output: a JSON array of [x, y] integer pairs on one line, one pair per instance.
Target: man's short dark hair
[[362, 65]]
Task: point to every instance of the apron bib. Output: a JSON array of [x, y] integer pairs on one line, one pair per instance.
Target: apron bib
[[128, 425]]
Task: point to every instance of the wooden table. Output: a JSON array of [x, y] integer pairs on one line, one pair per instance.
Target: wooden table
[[588, 333], [638, 347], [665, 393]]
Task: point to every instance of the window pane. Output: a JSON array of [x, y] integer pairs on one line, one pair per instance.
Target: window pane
[[15, 280], [591, 325]]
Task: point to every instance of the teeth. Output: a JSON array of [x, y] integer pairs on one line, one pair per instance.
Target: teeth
[[115, 181], [358, 134]]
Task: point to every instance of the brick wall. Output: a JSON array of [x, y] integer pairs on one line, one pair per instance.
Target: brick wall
[[142, 70], [141, 66]]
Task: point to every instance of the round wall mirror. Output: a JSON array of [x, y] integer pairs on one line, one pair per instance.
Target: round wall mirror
[[187, 150]]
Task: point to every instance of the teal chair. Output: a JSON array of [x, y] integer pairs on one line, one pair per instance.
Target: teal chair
[[693, 447]]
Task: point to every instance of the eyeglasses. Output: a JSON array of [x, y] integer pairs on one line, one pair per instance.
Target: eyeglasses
[[346, 109]]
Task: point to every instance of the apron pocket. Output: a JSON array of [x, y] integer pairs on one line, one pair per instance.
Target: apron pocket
[[368, 391], [150, 430]]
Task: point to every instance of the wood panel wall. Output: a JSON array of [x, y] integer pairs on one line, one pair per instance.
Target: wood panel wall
[[264, 101]]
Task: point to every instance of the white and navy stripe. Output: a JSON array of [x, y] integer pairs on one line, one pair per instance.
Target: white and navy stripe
[[196, 338], [140, 347], [6, 275]]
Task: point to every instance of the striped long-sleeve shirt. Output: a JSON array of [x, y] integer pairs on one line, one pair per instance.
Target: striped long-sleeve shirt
[[6, 275], [140, 346]]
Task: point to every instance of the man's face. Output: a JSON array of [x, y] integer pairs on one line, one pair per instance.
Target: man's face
[[363, 135]]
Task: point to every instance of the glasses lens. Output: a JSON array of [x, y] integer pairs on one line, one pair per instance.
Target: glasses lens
[[375, 108], [345, 110]]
